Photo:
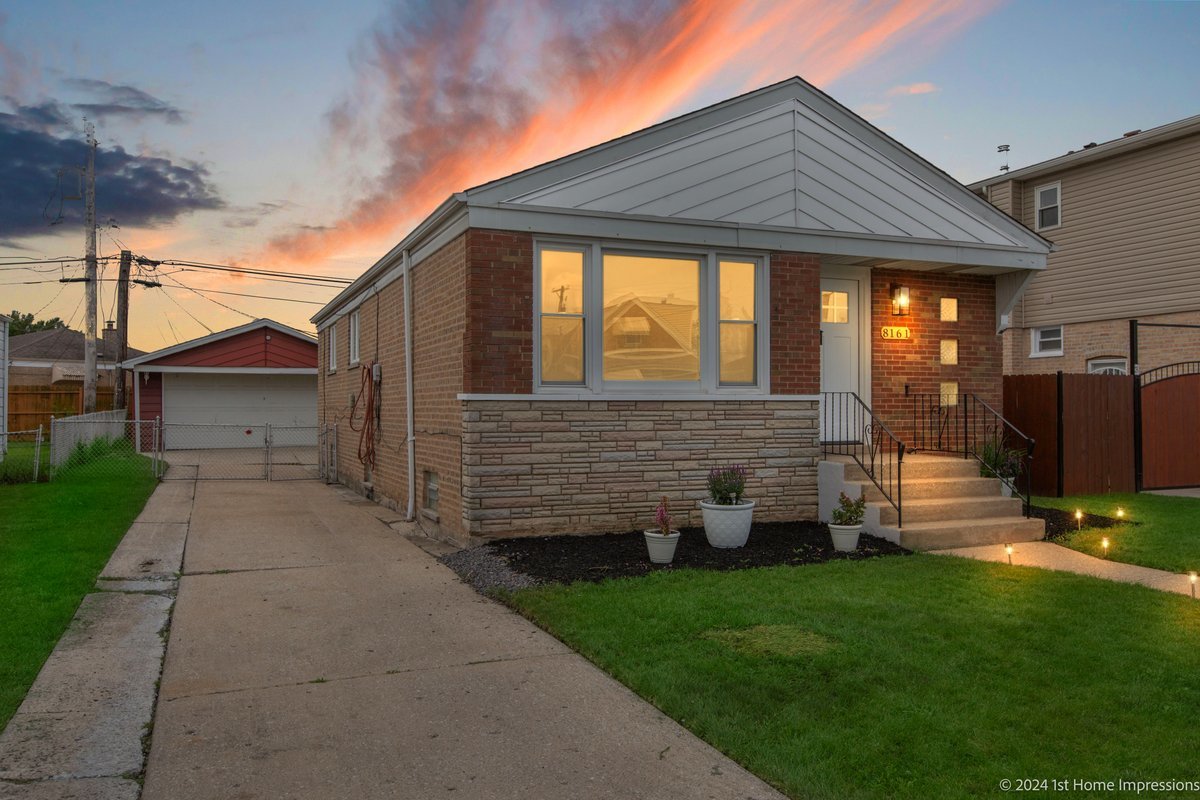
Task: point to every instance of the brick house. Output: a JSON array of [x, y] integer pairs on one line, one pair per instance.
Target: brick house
[[1126, 228], [551, 351]]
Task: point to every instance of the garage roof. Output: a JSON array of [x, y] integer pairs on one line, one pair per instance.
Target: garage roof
[[249, 346]]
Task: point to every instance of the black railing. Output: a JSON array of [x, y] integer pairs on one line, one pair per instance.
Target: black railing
[[967, 426], [850, 428]]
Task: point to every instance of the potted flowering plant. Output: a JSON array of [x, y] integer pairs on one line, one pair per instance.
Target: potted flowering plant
[[1001, 462], [847, 523], [661, 541], [727, 516]]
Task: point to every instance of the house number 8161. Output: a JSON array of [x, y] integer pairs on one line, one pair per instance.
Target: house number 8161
[[892, 332]]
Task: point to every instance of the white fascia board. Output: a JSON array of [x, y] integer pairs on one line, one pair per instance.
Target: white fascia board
[[229, 370], [594, 224], [218, 336], [447, 221], [671, 397]]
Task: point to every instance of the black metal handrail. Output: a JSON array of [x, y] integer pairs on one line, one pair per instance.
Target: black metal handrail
[[850, 428], [964, 424]]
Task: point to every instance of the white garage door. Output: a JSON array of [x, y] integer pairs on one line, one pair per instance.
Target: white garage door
[[241, 404]]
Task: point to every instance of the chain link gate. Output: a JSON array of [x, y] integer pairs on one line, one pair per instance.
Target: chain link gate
[[190, 451]]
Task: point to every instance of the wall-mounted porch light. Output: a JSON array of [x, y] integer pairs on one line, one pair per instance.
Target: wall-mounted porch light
[[899, 301]]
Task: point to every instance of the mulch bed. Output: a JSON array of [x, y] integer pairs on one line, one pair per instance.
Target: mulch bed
[[565, 559], [1061, 523]]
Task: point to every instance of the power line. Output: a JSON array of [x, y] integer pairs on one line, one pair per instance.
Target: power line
[[190, 314], [256, 271], [256, 296], [209, 299]]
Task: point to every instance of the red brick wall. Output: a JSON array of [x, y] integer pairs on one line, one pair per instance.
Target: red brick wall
[[499, 330], [917, 361], [795, 323]]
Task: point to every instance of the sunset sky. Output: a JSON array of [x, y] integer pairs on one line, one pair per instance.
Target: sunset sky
[[310, 136]]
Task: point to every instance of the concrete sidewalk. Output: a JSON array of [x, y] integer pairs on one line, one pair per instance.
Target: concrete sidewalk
[[79, 732], [317, 653], [1048, 555]]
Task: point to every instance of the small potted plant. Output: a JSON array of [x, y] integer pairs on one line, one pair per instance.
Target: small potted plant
[[661, 541], [1001, 462], [847, 523], [727, 516]]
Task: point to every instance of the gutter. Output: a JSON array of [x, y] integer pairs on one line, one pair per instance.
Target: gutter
[[408, 386]]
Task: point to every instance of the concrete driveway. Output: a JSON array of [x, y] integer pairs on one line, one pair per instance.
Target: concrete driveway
[[317, 653]]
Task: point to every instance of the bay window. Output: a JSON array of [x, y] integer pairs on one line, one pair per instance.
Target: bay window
[[614, 319]]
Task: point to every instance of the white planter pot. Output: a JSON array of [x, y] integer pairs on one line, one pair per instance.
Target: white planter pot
[[1005, 489], [727, 526], [661, 548], [845, 537]]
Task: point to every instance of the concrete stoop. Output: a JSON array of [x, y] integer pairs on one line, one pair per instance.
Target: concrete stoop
[[945, 501]]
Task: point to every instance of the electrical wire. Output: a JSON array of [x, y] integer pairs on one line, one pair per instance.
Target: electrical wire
[[209, 299], [190, 314], [61, 288], [366, 434], [256, 271]]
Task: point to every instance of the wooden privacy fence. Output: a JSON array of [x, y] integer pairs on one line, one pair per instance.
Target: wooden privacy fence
[[30, 406], [1084, 429]]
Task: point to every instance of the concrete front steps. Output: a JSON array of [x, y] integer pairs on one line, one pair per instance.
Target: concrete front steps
[[945, 501]]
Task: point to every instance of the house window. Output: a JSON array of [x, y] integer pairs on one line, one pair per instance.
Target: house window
[[562, 316], [331, 344], [1046, 342], [658, 300], [1049, 206], [648, 321], [949, 309], [354, 338], [949, 352], [835, 307], [430, 501], [738, 325], [1108, 366]]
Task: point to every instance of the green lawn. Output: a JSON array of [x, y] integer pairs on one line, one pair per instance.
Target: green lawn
[[925, 676], [1167, 538], [54, 540]]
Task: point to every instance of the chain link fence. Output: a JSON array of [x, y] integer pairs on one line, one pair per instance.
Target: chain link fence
[[23, 457], [238, 452], [103, 443]]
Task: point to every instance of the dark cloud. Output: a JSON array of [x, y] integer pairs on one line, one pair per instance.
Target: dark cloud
[[134, 190], [122, 100]]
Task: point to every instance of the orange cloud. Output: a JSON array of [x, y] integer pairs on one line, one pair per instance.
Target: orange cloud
[[913, 88], [464, 93]]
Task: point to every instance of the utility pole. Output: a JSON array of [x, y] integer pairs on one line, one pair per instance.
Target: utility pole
[[119, 399], [89, 335]]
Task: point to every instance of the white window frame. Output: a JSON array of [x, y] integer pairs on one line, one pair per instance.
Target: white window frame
[[354, 333], [1037, 206], [331, 345], [1035, 342], [593, 308], [1100, 364]]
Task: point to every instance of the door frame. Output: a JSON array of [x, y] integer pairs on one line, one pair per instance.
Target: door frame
[[862, 276]]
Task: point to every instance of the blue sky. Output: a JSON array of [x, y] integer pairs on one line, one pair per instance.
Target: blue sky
[[297, 134]]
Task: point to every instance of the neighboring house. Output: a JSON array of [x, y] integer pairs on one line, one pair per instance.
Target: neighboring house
[[551, 351], [55, 358], [3, 385], [258, 373], [1125, 221]]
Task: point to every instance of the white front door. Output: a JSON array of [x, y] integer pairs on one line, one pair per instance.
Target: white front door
[[840, 355]]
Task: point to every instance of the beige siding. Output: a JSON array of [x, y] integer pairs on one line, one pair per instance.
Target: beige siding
[[1129, 242], [1000, 195]]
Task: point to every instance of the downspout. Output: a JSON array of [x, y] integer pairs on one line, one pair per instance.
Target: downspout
[[408, 386]]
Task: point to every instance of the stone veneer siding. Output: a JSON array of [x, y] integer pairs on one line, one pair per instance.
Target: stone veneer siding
[[579, 466]]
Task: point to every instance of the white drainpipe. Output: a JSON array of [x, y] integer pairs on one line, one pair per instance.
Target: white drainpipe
[[408, 385]]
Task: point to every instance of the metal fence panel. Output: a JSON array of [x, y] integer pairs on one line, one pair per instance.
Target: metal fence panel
[[213, 452], [86, 446], [23, 460], [293, 452]]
